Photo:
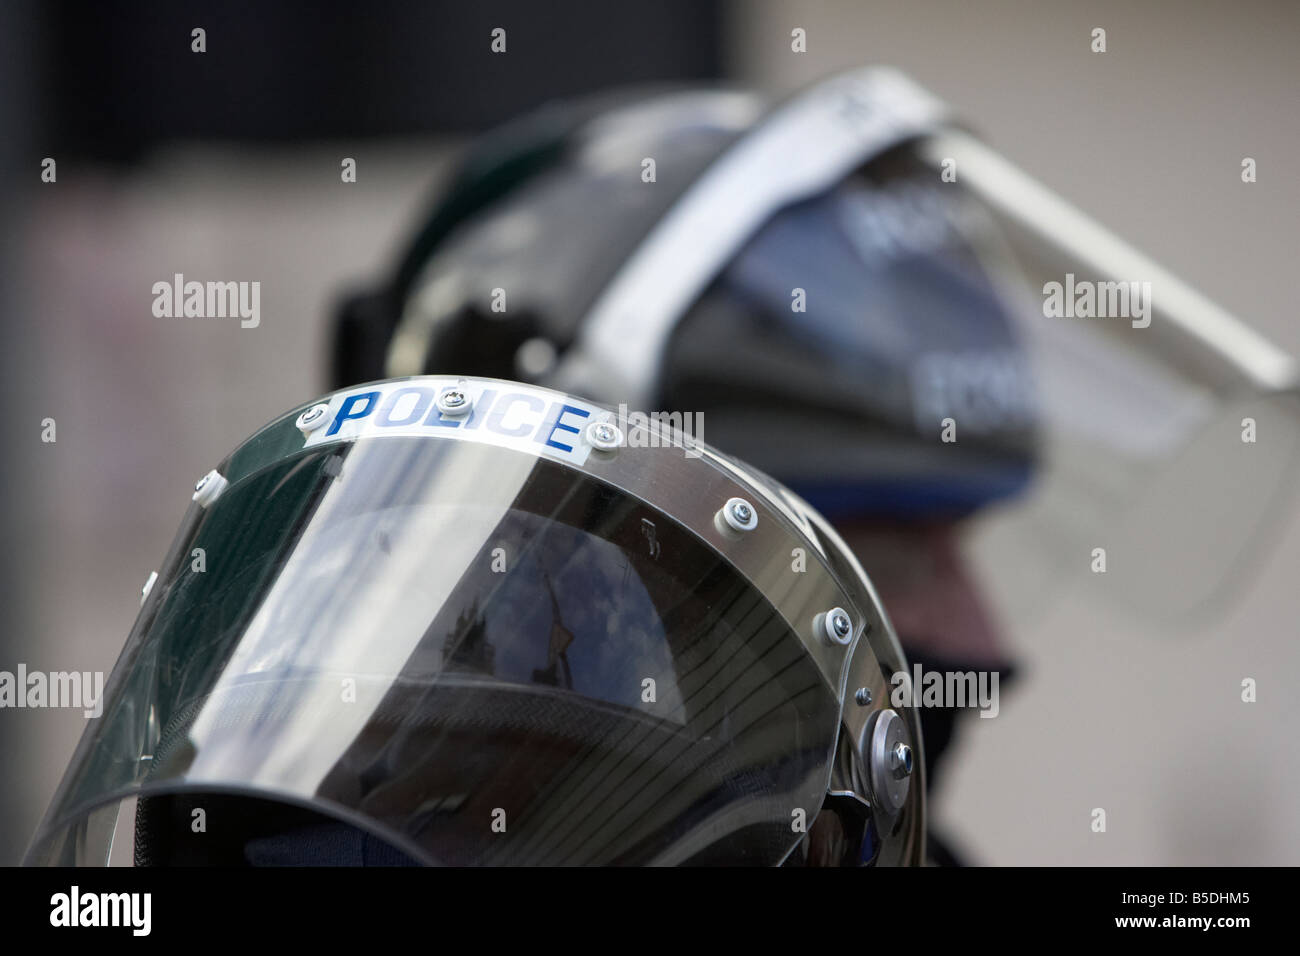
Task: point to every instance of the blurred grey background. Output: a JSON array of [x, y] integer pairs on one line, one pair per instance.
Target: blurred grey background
[[227, 166]]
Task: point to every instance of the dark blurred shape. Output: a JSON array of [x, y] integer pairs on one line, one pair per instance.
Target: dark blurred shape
[[123, 77], [19, 94]]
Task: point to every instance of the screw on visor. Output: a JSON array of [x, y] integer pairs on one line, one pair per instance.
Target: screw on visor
[[455, 401], [739, 515], [837, 627], [208, 488], [313, 418], [604, 435]]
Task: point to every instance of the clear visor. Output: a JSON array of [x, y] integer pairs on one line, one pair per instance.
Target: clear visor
[[1167, 430], [447, 652]]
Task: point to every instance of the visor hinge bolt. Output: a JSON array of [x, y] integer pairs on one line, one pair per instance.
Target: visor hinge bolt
[[312, 419], [888, 759], [900, 760]]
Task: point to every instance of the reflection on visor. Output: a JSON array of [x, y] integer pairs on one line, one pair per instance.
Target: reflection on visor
[[491, 656]]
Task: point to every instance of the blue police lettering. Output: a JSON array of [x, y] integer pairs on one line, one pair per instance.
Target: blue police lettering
[[424, 396], [553, 423], [345, 410], [516, 415]]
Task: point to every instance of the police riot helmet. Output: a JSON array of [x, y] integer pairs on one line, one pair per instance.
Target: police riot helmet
[[461, 621]]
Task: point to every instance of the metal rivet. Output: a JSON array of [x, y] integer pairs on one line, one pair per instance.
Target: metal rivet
[[604, 435], [313, 418], [863, 696]]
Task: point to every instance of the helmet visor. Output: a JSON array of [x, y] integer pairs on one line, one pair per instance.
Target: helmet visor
[[479, 654]]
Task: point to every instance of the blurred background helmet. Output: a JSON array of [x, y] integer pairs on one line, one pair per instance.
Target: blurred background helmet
[[733, 281], [858, 296], [467, 621]]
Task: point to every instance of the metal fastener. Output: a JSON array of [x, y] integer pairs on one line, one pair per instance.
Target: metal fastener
[[836, 626], [739, 515], [455, 401], [604, 435], [886, 753], [900, 760], [208, 488], [313, 418]]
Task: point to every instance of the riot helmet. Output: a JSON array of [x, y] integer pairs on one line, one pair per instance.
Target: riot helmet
[[462, 621]]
